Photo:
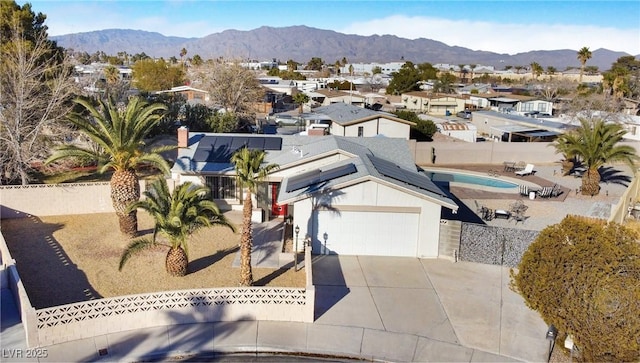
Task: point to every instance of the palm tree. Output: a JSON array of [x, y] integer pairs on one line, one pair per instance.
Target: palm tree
[[536, 70], [300, 99], [177, 215], [120, 134], [250, 172], [584, 54], [595, 142], [183, 52], [473, 67]]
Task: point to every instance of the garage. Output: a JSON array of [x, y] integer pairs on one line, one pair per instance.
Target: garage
[[368, 232]]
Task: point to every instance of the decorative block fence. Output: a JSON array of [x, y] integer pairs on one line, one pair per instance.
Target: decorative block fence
[[86, 319], [92, 318]]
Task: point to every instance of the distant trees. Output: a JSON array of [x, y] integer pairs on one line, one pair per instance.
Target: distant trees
[[445, 83], [584, 54], [623, 79], [404, 80], [582, 277], [315, 64], [156, 75], [536, 70], [35, 89], [300, 99]]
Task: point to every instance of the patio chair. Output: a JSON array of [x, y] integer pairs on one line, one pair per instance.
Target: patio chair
[[545, 192], [520, 165], [528, 170], [524, 190], [556, 191]]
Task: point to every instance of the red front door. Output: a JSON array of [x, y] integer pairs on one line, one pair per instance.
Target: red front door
[[277, 210]]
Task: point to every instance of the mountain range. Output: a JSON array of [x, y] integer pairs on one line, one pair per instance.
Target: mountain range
[[301, 43]]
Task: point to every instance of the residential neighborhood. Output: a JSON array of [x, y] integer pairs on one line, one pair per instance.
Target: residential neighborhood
[[204, 207]]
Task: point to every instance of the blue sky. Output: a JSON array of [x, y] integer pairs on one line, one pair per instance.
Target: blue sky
[[499, 26]]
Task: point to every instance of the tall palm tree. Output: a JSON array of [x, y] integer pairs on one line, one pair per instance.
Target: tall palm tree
[[250, 172], [584, 54], [177, 215], [596, 143], [120, 134]]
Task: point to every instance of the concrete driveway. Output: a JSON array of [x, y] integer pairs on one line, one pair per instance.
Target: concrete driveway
[[427, 310]]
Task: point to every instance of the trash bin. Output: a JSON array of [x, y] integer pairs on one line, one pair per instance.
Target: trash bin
[[532, 195]]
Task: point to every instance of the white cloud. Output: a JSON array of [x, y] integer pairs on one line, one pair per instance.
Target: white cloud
[[501, 37]]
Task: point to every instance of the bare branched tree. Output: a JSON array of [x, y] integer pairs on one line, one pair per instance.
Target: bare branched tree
[[231, 86], [35, 89]]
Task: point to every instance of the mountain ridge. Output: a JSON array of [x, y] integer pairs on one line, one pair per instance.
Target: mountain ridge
[[301, 43]]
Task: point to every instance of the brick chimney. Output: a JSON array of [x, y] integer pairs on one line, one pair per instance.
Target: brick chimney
[[315, 132], [183, 136]]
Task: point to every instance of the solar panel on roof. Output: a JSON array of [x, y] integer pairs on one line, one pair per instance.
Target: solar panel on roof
[[272, 143], [256, 143], [393, 171], [238, 142], [218, 149], [319, 176]]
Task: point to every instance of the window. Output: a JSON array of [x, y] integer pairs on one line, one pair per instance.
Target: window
[[360, 131], [526, 106], [222, 187]]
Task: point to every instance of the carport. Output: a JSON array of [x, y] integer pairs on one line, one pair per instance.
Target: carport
[[528, 133]]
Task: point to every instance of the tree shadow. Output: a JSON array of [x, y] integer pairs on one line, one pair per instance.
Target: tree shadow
[[43, 265], [188, 335], [609, 174], [264, 281], [204, 262]]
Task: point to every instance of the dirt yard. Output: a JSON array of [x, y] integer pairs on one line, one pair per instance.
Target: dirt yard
[[66, 259]]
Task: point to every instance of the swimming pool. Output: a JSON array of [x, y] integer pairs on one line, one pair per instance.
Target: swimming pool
[[466, 178]]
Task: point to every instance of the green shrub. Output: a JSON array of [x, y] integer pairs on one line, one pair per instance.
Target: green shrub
[[583, 276]]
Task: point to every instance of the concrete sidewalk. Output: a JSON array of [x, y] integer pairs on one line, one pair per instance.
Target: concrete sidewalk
[[378, 308]]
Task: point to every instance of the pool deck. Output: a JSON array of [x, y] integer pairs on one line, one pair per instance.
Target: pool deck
[[541, 212]]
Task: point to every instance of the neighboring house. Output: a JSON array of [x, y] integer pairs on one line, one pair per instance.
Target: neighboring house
[[349, 120], [192, 95], [348, 195], [464, 131], [433, 103], [328, 96], [508, 127]]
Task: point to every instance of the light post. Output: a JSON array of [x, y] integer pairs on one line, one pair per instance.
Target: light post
[[295, 250], [552, 333], [325, 236]]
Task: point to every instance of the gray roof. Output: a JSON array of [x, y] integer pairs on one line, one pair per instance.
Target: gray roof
[[537, 123], [343, 113], [297, 147]]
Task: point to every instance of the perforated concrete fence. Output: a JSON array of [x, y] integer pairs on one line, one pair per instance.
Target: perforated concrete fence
[[494, 245], [98, 317]]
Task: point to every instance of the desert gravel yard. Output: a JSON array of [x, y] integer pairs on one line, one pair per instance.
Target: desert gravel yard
[[71, 258]]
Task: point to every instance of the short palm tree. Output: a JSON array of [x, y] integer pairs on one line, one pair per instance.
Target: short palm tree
[[596, 143], [177, 215], [120, 134], [250, 172]]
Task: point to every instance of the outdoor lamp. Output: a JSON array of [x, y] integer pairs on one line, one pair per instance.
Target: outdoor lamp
[[295, 250]]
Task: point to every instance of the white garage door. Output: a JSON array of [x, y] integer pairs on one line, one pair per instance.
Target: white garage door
[[367, 233]]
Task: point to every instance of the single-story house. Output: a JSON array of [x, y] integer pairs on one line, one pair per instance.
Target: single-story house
[[508, 127], [350, 120], [329, 96], [347, 195], [433, 103], [464, 131], [192, 95]]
